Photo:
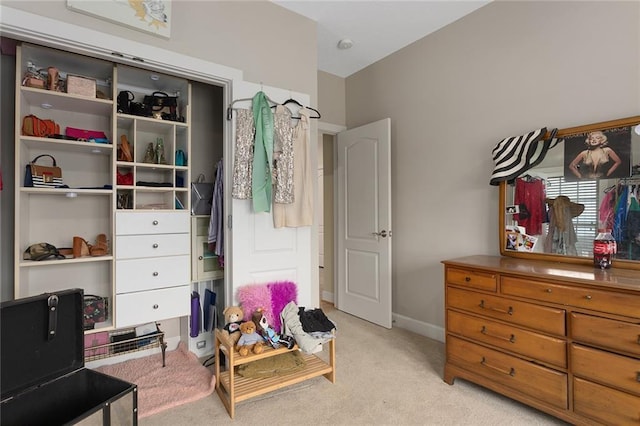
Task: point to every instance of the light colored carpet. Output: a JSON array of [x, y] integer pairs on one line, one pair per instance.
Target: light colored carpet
[[181, 381], [383, 377]]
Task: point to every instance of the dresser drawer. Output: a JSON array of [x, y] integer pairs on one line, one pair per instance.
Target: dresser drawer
[[604, 367], [597, 300], [169, 222], [140, 246], [617, 335], [154, 305], [148, 274], [607, 405], [514, 339], [549, 320], [472, 279], [538, 382]]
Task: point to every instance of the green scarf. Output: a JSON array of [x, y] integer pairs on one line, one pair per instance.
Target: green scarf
[[262, 154]]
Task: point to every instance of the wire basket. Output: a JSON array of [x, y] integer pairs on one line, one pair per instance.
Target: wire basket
[[108, 344]]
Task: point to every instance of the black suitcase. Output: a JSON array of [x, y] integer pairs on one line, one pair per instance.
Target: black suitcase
[[42, 375]]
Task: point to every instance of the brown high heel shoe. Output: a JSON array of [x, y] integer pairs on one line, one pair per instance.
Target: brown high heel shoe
[[80, 247], [101, 248]]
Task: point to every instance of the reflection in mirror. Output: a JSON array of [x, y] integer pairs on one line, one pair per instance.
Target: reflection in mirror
[[589, 181]]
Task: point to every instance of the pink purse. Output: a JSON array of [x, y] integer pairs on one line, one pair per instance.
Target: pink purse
[[82, 134]]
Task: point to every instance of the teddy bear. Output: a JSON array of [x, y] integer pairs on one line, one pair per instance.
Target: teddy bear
[[232, 319], [250, 340], [268, 333]]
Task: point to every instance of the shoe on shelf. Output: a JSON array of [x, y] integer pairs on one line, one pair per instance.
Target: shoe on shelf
[[124, 149], [101, 248], [80, 247], [150, 154]]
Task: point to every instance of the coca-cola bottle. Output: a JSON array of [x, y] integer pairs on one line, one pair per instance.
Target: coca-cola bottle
[[604, 249]]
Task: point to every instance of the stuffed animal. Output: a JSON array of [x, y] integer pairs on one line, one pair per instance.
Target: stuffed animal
[[268, 333], [232, 320], [250, 340]]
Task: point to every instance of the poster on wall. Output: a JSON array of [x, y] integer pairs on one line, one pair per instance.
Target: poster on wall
[[598, 154], [151, 16]]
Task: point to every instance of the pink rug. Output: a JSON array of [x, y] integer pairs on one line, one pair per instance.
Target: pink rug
[[183, 379]]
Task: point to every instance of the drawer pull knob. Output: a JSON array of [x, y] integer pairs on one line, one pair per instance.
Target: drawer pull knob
[[508, 312], [155, 245], [467, 279], [511, 339], [155, 274], [548, 290], [155, 222], [588, 297], [511, 372], [155, 306]]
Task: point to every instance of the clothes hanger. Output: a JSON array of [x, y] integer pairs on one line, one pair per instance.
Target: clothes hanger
[[230, 107], [293, 101]]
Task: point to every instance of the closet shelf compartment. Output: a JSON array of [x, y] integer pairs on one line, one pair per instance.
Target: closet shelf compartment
[[66, 102], [64, 191], [61, 262], [61, 145]]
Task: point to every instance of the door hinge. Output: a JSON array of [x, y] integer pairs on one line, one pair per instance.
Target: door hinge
[[229, 221]]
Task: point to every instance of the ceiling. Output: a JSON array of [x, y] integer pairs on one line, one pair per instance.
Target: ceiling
[[376, 28]]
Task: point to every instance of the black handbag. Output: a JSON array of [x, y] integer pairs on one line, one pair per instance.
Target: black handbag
[[162, 105]]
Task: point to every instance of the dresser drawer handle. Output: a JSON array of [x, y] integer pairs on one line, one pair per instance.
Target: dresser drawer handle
[[508, 312], [155, 306], [155, 222], [155, 274], [511, 339], [588, 297], [467, 279], [511, 372], [155, 245], [548, 290]]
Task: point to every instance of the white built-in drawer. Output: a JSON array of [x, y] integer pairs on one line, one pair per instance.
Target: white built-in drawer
[[152, 273], [155, 305], [133, 223], [141, 246]]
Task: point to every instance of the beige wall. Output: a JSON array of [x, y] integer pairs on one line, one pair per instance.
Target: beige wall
[[331, 99], [504, 70]]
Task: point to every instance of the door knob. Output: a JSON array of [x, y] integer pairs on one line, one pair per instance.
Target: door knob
[[382, 233]]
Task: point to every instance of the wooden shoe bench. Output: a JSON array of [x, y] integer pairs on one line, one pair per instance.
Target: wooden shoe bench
[[233, 388]]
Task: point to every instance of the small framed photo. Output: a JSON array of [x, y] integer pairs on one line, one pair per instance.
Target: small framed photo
[[515, 209]]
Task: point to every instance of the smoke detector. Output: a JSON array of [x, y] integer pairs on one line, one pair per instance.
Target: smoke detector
[[345, 43]]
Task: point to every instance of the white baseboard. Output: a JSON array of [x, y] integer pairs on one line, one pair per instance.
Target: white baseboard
[[327, 296], [422, 328]]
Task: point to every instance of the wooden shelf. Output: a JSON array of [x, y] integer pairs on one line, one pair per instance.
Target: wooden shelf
[[234, 388]]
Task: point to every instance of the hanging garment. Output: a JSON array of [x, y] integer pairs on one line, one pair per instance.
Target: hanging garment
[[530, 194], [561, 238], [605, 212], [282, 156], [620, 211], [300, 211], [243, 157], [262, 153], [216, 226]]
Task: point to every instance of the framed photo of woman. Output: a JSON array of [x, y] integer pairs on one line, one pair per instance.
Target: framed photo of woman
[[598, 154]]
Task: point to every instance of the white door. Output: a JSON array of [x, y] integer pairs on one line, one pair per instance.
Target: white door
[[261, 253], [364, 222]]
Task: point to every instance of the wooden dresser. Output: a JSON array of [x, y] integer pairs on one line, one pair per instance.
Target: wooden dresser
[[562, 338]]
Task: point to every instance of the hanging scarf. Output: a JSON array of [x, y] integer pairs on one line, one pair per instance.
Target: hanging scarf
[[262, 154]]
